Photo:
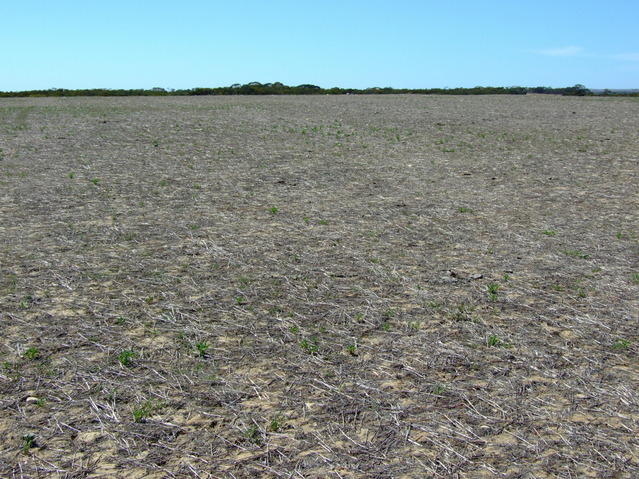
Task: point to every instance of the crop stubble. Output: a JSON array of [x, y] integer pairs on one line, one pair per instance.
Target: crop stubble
[[353, 286]]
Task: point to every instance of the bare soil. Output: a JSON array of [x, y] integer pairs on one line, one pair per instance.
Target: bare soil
[[319, 287]]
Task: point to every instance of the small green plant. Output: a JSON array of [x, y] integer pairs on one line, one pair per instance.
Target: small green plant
[[144, 410], [32, 353], [71, 175], [492, 291], [253, 434], [549, 232], [494, 341], [12, 283], [121, 320], [463, 209], [26, 301], [239, 300], [306, 220], [635, 278], [439, 389], [202, 348], [414, 325], [164, 182], [463, 313], [386, 326], [276, 424], [28, 442], [621, 345], [352, 349], [126, 357], [274, 210], [95, 181], [295, 329], [575, 253], [311, 347], [322, 222]]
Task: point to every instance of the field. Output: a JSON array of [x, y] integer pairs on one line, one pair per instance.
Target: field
[[319, 287]]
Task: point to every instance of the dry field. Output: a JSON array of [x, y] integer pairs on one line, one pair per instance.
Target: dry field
[[319, 287]]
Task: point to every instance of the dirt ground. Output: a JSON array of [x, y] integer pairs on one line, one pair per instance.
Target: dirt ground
[[319, 287]]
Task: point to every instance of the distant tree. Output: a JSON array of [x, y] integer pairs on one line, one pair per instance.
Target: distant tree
[[577, 90]]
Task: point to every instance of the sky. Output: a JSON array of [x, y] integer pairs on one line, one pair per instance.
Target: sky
[[345, 43]]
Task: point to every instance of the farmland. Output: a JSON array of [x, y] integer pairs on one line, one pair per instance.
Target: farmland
[[319, 286]]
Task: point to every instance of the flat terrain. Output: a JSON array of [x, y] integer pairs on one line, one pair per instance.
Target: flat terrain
[[319, 287]]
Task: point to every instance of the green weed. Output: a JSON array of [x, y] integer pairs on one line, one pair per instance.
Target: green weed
[[494, 341], [276, 424], [311, 347], [202, 348], [439, 389], [144, 410], [253, 435], [492, 291], [126, 357], [32, 353], [463, 313], [28, 442], [621, 345], [414, 325]]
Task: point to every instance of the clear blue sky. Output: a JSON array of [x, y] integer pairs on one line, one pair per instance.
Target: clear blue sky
[[346, 43]]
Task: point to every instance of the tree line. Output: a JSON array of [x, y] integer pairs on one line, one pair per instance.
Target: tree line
[[277, 88]]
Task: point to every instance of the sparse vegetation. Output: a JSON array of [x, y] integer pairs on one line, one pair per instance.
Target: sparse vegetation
[[126, 357], [202, 348], [32, 353], [575, 253], [28, 442], [452, 300]]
